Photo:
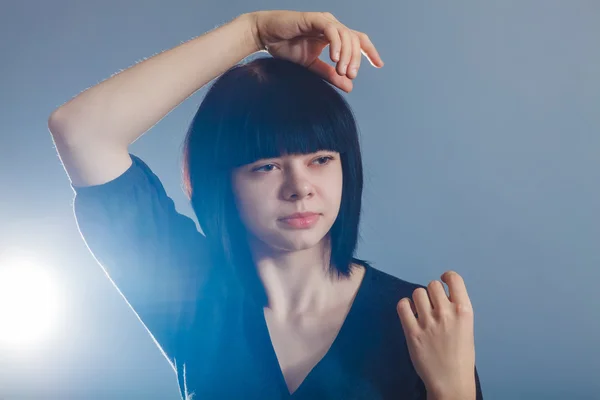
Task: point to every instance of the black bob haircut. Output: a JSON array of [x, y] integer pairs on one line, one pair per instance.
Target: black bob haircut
[[260, 109]]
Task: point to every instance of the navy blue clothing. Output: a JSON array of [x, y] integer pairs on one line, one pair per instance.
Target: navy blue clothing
[[219, 346]]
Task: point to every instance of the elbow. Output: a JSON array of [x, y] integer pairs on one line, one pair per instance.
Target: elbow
[[61, 126], [56, 122]]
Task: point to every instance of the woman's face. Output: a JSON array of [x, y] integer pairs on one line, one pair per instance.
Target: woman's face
[[269, 190]]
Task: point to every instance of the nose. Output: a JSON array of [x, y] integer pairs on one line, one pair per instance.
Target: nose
[[297, 187]]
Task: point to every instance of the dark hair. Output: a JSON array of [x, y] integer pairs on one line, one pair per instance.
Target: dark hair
[[263, 109]]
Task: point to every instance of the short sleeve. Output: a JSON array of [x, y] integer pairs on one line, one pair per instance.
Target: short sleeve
[[154, 256]]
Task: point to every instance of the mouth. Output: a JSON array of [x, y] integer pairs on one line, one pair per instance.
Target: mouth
[[301, 220], [300, 215]]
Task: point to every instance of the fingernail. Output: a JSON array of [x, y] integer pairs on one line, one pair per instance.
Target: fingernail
[[344, 68]]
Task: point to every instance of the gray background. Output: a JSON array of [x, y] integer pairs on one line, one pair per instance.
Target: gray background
[[480, 140]]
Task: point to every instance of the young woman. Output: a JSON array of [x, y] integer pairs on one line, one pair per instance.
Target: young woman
[[269, 303]]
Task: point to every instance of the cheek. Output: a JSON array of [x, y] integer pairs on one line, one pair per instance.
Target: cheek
[[253, 205], [333, 188], [335, 198]]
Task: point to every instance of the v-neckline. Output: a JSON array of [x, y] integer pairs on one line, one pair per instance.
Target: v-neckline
[[267, 350]]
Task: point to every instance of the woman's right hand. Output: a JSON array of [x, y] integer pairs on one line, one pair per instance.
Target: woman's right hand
[[301, 37]]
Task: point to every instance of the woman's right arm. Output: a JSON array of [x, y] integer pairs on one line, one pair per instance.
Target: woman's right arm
[[154, 256], [92, 132]]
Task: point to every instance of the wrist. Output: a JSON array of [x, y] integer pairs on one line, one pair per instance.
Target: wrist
[[462, 392], [253, 35]]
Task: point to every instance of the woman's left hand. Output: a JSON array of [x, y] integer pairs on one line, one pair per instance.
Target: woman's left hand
[[440, 337]]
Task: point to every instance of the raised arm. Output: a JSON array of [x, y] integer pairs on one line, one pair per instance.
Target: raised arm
[[92, 131]]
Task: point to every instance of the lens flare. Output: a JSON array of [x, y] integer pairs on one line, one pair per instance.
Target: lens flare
[[28, 304]]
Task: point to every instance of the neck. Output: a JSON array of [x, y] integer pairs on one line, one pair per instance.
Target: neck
[[299, 283]]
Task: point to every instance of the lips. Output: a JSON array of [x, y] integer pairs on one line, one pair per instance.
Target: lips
[[300, 215], [301, 220]]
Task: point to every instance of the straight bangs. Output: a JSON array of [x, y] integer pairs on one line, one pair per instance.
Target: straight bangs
[[275, 118]]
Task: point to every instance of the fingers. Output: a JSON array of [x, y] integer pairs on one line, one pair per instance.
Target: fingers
[[437, 295], [335, 42], [341, 46], [433, 303], [457, 290], [422, 302], [356, 58], [346, 53], [329, 73], [346, 45], [369, 50], [407, 317]]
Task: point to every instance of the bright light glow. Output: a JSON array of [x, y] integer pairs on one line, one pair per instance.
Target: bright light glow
[[28, 304]]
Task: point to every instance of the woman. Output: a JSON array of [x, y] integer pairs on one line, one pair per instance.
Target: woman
[[270, 302]]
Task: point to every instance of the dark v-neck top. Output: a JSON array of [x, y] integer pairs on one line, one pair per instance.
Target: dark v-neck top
[[219, 345]]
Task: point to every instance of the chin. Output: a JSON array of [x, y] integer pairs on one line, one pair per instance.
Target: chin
[[295, 244], [295, 240]]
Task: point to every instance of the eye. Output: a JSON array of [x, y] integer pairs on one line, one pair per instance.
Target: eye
[[325, 158], [269, 167], [262, 168]]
